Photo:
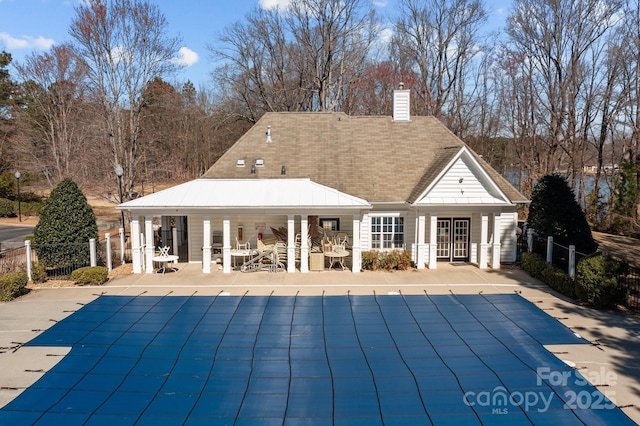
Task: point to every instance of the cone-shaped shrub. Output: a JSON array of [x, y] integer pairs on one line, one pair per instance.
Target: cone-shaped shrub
[[66, 225], [555, 212]]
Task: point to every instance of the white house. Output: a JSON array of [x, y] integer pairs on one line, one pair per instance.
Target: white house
[[388, 183]]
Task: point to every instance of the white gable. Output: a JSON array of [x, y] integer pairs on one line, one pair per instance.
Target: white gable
[[463, 182]]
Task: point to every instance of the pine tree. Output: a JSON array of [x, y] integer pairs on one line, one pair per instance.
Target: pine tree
[[66, 225]]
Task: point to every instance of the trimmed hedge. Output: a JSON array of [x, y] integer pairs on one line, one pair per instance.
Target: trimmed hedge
[[90, 275], [396, 260], [12, 285], [599, 281], [553, 276]]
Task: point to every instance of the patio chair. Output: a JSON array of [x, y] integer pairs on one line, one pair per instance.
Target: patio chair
[[264, 246], [337, 254], [281, 249], [243, 246], [342, 238]]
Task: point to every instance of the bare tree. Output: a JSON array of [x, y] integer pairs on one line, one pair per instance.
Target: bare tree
[[180, 140], [630, 63], [441, 39], [258, 68], [334, 38], [519, 121], [53, 96], [124, 46], [558, 38], [302, 58], [373, 94]]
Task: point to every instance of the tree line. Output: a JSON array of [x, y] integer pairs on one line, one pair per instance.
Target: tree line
[[557, 90]]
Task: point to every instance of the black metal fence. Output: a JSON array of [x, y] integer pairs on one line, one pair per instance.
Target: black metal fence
[[632, 282], [15, 260], [560, 259]]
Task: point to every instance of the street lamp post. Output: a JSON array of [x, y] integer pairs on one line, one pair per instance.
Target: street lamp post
[[17, 175], [119, 172]]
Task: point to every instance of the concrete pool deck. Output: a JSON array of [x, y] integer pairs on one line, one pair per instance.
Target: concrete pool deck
[[609, 362]]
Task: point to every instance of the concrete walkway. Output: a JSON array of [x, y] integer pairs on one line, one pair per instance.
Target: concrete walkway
[[610, 363]]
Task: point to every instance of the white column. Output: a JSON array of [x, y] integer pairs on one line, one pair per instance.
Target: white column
[[27, 251], [422, 247], [93, 255], [484, 245], [497, 231], [291, 244], [226, 245], [107, 245], [304, 247], [206, 245], [136, 246], [149, 247], [356, 256], [433, 242]]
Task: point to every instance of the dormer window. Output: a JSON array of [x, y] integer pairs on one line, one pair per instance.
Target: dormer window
[[240, 163], [259, 162]]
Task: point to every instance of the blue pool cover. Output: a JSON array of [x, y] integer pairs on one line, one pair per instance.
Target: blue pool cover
[[325, 360]]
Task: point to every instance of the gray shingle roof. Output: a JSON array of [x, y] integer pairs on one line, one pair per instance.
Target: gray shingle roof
[[373, 158]]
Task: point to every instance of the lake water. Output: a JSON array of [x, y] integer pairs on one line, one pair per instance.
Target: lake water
[[513, 177]]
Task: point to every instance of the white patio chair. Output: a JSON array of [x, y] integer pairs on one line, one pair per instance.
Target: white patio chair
[[243, 246]]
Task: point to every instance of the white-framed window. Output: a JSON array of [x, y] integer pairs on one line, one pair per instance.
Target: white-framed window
[[330, 224], [387, 232]]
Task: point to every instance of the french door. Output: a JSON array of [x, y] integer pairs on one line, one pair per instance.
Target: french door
[[452, 239]]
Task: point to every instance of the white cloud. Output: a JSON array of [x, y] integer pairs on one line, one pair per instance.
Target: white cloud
[[274, 4], [26, 42], [386, 35], [380, 3], [186, 57]]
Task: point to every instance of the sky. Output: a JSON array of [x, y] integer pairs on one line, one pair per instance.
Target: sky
[[28, 26]]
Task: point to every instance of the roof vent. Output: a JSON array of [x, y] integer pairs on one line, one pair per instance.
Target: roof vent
[[268, 134], [401, 103], [240, 163], [259, 162]]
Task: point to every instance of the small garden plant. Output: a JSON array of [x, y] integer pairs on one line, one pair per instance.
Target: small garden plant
[[396, 260], [12, 285], [90, 275]]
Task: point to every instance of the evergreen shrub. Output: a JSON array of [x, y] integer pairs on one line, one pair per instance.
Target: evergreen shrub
[[90, 275], [12, 285]]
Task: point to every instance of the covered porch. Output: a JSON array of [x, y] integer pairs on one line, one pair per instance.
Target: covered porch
[[223, 214]]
